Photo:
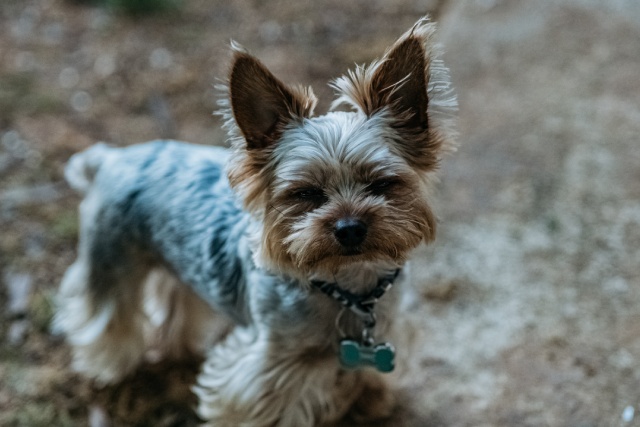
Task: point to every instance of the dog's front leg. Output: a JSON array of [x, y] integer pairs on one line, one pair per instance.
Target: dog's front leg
[[248, 381]]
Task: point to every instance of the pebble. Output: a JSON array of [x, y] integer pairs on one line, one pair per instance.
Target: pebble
[[270, 31], [105, 65], [18, 332], [160, 58], [18, 290], [81, 101], [98, 417], [69, 78], [25, 61]]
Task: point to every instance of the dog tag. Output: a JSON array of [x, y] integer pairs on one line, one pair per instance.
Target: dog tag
[[354, 355]]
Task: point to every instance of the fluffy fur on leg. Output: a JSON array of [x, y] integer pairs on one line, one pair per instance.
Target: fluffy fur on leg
[[179, 323], [106, 332], [245, 381], [107, 338]]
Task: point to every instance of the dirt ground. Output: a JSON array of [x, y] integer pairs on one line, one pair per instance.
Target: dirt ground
[[525, 312]]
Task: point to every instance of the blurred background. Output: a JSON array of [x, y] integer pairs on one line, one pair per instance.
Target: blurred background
[[526, 311]]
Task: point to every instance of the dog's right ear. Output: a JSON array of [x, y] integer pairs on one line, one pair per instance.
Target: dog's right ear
[[261, 104]]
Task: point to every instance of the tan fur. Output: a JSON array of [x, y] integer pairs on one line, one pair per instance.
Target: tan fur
[[178, 323], [299, 243]]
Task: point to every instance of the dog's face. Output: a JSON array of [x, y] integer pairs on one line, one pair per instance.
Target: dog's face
[[340, 192], [346, 187]]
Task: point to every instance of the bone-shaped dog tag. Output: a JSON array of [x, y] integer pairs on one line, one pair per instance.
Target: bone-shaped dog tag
[[354, 355]]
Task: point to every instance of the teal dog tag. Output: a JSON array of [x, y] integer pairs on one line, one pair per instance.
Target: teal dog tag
[[354, 355]]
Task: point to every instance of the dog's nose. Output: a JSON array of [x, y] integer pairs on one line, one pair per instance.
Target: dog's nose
[[350, 232]]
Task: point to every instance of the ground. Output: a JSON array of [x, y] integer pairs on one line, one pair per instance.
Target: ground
[[525, 310]]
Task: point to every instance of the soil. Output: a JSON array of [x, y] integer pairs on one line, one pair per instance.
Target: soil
[[525, 310]]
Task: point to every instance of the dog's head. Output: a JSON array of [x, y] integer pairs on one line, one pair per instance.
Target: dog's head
[[345, 187]]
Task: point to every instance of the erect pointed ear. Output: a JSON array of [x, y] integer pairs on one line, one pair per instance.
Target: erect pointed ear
[[262, 105], [411, 85], [400, 82]]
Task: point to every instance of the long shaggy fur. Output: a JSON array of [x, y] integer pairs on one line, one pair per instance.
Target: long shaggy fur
[[176, 256]]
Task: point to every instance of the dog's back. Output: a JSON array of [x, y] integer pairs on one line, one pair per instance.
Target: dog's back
[[170, 202], [160, 204]]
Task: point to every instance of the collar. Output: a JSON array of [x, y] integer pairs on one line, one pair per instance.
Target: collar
[[361, 305]]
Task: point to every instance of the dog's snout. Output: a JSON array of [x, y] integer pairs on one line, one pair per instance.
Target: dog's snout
[[350, 232]]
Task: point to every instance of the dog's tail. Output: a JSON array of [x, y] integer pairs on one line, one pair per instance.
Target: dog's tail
[[82, 167]]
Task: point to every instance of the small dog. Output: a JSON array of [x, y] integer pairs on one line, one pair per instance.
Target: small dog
[[296, 246]]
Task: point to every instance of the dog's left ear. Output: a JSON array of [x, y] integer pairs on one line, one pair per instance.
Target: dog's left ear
[[400, 84], [261, 104]]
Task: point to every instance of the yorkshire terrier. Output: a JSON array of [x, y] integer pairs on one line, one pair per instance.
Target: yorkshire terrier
[[296, 246]]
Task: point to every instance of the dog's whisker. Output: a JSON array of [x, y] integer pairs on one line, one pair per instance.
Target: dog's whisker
[[278, 210]]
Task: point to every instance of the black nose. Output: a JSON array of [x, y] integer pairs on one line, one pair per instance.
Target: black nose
[[350, 232]]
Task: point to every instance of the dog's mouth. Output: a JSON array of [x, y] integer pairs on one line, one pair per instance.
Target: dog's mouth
[[351, 252], [341, 256]]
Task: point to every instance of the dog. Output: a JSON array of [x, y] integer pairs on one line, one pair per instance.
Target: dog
[[295, 242]]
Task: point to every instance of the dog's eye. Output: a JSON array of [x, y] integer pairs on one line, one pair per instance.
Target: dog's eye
[[381, 186], [314, 195]]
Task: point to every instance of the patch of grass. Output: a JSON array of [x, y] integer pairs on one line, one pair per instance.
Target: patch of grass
[[18, 94], [65, 225], [138, 8], [41, 310], [143, 7], [35, 414], [41, 103], [10, 244], [13, 88]]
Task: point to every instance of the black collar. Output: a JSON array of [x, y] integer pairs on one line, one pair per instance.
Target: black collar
[[360, 305]]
